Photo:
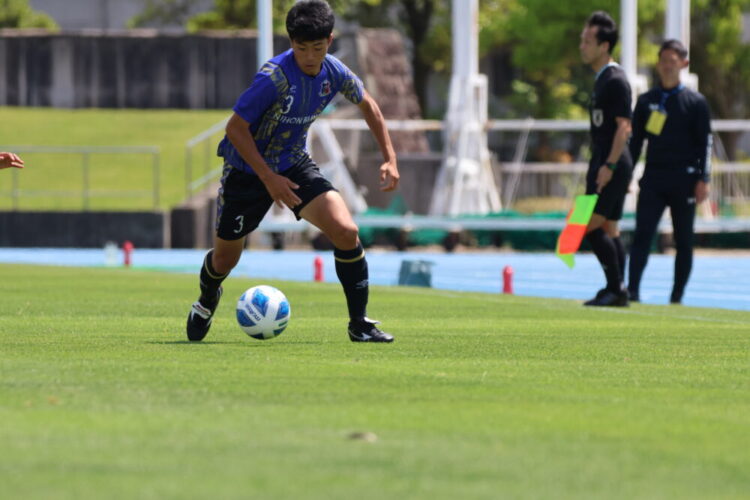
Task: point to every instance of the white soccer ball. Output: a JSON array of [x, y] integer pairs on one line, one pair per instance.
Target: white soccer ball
[[263, 312]]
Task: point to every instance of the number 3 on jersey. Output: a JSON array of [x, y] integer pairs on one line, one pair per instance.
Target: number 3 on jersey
[[287, 104], [240, 221]]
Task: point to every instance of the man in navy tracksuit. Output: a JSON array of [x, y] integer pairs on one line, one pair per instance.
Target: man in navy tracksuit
[[677, 125]]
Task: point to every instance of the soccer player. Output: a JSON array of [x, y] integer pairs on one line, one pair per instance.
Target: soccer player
[[265, 161], [610, 167], [677, 124], [8, 160]]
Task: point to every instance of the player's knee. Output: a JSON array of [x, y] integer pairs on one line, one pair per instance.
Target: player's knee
[[595, 235], [345, 236]]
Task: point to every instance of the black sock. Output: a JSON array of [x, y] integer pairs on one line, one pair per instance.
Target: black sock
[[605, 251], [210, 281], [351, 268], [620, 256], [683, 263]]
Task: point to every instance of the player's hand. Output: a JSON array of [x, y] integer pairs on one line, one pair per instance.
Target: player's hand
[[701, 191], [280, 188], [8, 160], [603, 176], [389, 176]]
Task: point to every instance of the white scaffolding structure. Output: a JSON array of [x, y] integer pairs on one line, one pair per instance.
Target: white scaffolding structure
[[465, 183]]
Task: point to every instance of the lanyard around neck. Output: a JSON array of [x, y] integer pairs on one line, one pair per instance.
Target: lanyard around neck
[[666, 94]]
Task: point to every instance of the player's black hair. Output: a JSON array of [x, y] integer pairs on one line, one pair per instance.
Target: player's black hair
[[310, 20], [607, 31], [675, 45]]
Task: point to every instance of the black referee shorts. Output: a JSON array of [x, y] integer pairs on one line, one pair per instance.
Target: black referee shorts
[[243, 200], [612, 197]]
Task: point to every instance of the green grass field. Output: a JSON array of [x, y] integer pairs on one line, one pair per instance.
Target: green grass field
[[111, 174], [481, 396]]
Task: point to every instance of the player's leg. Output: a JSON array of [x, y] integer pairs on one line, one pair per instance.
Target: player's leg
[[606, 252], [682, 208], [242, 203], [612, 228], [329, 213], [217, 264], [649, 209], [607, 211]]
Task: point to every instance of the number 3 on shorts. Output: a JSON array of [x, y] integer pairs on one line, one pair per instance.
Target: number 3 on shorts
[[240, 219]]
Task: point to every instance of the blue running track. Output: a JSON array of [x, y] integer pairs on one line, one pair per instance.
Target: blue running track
[[716, 281]]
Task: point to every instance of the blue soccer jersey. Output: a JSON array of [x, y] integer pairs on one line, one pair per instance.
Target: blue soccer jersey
[[280, 105]]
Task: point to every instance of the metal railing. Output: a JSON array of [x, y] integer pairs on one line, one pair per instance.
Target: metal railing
[[729, 177], [86, 192], [207, 172]]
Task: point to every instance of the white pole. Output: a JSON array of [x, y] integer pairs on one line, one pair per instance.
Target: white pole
[[265, 31], [465, 15], [629, 28], [677, 21], [677, 26]]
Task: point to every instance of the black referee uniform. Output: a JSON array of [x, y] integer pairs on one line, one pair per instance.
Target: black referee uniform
[[610, 100], [676, 123]]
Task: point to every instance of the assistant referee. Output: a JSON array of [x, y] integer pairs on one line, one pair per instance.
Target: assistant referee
[[610, 167], [676, 123]]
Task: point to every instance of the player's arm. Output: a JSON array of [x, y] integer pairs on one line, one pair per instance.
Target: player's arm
[[279, 187], [704, 144], [8, 160], [619, 142], [389, 175], [638, 134]]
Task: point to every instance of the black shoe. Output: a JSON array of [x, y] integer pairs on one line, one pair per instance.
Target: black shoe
[[609, 298], [675, 298], [598, 296], [200, 317], [634, 296], [366, 331]]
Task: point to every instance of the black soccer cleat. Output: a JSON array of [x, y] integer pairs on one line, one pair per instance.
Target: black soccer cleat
[[200, 318], [609, 298], [633, 296], [366, 331]]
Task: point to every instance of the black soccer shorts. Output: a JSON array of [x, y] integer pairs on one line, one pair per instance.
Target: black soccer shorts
[[612, 197], [243, 200]]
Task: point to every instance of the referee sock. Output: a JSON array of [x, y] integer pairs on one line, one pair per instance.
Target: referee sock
[[351, 269], [210, 281], [605, 250], [620, 256]]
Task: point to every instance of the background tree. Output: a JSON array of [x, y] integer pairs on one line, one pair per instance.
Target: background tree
[[18, 14], [159, 13], [721, 60], [542, 37]]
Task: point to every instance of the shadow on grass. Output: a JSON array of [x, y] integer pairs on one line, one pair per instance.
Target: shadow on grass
[[233, 342], [188, 342]]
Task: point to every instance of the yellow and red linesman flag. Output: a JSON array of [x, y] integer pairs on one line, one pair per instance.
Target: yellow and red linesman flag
[[575, 228]]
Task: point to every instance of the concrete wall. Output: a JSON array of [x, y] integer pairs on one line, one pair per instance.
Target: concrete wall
[[84, 229], [129, 69], [193, 223]]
